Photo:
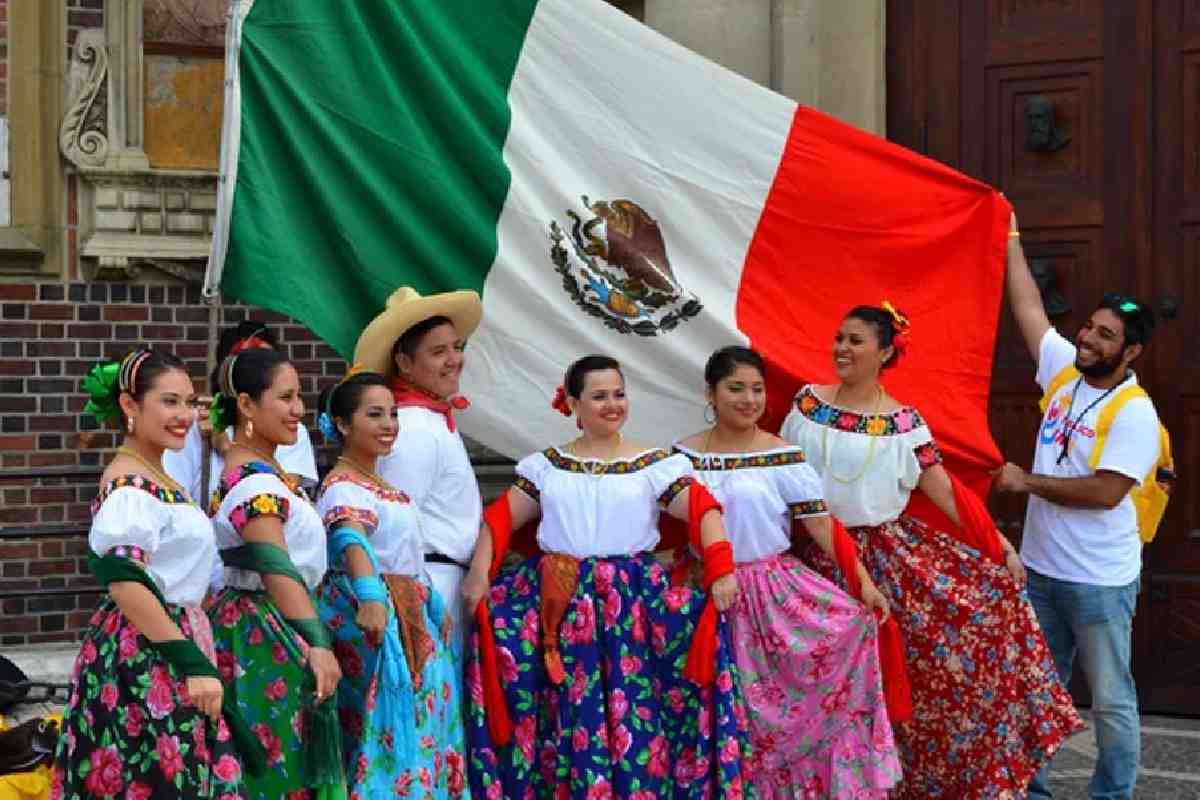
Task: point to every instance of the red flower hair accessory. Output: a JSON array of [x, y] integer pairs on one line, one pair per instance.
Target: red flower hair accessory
[[901, 324], [559, 403], [251, 343]]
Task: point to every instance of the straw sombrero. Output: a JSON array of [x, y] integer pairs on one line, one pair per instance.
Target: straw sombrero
[[405, 308]]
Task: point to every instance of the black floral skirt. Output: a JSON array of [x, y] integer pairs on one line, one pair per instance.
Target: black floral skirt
[[130, 731]]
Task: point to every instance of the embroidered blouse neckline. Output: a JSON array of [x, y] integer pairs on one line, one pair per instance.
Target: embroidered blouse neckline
[[774, 457], [160, 493], [393, 495], [618, 466], [890, 423], [233, 476]]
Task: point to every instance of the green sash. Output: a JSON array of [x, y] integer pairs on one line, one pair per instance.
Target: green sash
[[323, 748], [186, 657]]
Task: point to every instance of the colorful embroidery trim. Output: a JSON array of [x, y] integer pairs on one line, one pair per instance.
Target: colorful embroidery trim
[[130, 551], [261, 505], [232, 477], [808, 508], [138, 482], [894, 423], [528, 487], [672, 491], [620, 467], [927, 455], [360, 516], [383, 493], [715, 462]]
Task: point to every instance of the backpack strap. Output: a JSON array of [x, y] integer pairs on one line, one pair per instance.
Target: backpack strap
[[1108, 415], [1064, 376]]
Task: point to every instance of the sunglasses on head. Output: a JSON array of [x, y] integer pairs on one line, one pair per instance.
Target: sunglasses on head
[[1124, 304]]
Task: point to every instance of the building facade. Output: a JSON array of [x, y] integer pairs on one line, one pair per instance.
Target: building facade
[[110, 117]]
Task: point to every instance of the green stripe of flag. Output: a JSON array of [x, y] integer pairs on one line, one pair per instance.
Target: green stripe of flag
[[371, 153]]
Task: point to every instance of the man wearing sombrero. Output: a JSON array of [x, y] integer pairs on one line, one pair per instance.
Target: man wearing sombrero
[[418, 342]]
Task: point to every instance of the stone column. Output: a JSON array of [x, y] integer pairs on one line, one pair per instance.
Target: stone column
[[123, 35], [33, 241], [828, 54], [734, 33]]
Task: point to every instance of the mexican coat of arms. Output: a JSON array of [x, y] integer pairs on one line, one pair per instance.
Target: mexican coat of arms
[[614, 266]]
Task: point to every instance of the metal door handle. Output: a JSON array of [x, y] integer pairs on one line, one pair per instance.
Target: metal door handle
[[1168, 308]]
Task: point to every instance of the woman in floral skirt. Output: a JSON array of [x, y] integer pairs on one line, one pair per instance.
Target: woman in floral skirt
[[271, 647], [807, 652], [578, 688], [401, 718], [988, 707], [141, 722]]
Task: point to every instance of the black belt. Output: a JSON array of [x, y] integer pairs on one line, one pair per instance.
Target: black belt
[[438, 558]]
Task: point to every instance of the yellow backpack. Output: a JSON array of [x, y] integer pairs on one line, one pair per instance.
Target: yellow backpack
[[1149, 497]]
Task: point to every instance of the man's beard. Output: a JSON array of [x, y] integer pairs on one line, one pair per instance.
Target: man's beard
[[1102, 368]]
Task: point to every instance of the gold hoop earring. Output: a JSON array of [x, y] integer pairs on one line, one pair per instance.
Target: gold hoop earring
[[249, 429]]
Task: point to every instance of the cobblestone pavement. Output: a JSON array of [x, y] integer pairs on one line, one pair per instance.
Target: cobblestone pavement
[[1170, 762], [1170, 747]]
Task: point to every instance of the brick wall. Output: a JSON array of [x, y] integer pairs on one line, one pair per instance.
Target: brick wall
[[51, 334]]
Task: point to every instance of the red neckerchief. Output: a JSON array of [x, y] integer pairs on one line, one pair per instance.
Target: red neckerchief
[[408, 395]]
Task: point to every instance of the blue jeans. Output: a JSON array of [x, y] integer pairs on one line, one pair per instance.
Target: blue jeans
[[1095, 622]]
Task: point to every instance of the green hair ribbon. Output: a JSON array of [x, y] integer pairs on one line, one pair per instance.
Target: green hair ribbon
[[216, 413], [101, 387]]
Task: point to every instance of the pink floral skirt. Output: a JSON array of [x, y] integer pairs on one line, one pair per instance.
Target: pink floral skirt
[[808, 659], [988, 707]]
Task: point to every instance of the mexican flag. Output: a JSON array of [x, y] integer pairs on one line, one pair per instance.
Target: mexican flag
[[605, 191]]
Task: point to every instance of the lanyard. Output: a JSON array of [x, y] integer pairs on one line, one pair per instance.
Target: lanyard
[[1069, 427]]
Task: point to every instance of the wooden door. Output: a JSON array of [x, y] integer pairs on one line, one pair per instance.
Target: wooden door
[[1169, 678], [1059, 103]]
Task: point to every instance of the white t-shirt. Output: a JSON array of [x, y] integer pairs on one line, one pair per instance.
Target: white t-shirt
[[184, 465], [761, 494], [613, 512], [1082, 545], [430, 464]]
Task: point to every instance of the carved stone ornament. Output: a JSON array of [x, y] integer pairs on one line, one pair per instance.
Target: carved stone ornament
[[83, 136], [111, 268]]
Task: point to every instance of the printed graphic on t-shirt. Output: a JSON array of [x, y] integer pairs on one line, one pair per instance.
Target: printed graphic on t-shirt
[[1057, 423]]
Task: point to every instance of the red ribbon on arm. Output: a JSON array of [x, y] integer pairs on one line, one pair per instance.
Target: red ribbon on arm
[[978, 529], [701, 667], [897, 692], [498, 516]]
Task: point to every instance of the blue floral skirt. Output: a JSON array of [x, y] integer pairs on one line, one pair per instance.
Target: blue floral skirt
[[401, 737], [624, 722]]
